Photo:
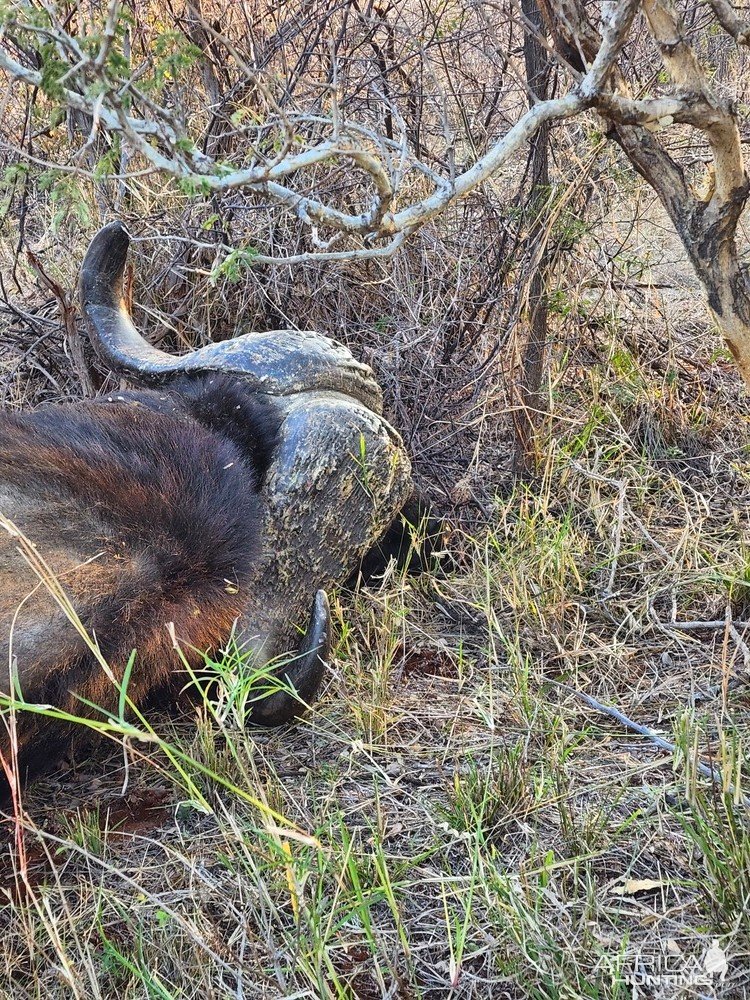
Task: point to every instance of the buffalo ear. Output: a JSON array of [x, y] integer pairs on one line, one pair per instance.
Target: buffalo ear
[[413, 540]]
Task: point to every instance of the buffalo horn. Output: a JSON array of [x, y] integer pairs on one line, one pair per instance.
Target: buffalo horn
[[278, 362], [304, 673]]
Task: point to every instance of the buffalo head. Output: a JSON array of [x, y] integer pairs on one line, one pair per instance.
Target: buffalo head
[[265, 458]]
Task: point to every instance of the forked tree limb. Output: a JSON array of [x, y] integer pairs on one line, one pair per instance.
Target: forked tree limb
[[706, 223], [589, 39], [163, 144]]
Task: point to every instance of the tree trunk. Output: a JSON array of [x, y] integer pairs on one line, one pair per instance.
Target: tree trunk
[[713, 253], [529, 395], [707, 226], [707, 219], [734, 326]]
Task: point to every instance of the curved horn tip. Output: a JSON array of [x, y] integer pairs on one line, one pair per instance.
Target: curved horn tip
[[318, 635], [304, 673], [104, 264]]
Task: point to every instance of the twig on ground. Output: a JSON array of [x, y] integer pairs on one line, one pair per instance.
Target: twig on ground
[[621, 488], [707, 770], [698, 626], [730, 627]]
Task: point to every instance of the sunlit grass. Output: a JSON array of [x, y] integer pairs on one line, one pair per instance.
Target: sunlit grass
[[445, 817]]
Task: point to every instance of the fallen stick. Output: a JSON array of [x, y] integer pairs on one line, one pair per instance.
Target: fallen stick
[[707, 770]]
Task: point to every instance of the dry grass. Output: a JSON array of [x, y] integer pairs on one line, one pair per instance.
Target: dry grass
[[455, 821]]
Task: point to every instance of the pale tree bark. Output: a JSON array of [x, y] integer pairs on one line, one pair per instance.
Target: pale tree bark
[[706, 220]]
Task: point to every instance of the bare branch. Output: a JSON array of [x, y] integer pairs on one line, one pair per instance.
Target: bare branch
[[615, 35], [707, 770], [727, 18], [687, 73], [287, 155], [108, 36], [184, 162]]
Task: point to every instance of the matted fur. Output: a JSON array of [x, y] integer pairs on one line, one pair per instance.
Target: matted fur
[[145, 507]]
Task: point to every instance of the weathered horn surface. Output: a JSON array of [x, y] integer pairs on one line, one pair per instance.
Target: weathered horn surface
[[277, 362], [338, 478]]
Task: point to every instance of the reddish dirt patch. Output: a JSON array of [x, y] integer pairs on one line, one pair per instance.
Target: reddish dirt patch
[[353, 967], [140, 813], [428, 663], [24, 864], [19, 877]]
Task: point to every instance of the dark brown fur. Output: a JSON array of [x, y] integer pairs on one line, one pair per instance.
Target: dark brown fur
[[145, 507]]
